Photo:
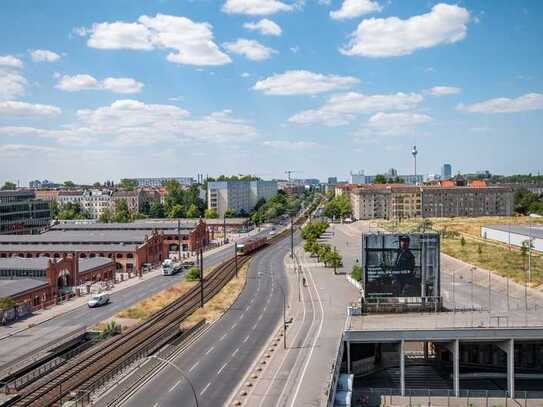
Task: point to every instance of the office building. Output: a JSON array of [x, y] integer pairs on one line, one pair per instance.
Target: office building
[[357, 178], [446, 171], [21, 212], [332, 180], [160, 181], [238, 196]]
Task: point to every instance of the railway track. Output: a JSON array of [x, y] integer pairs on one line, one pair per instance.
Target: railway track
[[83, 372]]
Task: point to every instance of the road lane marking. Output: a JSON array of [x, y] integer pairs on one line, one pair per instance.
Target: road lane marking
[[246, 339], [210, 350], [204, 389], [174, 386], [222, 368], [156, 405], [234, 353], [233, 326], [194, 366], [222, 337]]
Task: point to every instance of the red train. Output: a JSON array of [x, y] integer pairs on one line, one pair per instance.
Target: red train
[[250, 246]]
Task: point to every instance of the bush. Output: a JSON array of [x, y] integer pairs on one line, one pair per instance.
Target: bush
[[357, 272], [6, 303], [193, 274]]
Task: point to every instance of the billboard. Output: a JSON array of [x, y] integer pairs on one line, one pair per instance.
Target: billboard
[[401, 265]]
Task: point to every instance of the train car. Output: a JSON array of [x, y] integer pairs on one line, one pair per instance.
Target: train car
[[250, 246]]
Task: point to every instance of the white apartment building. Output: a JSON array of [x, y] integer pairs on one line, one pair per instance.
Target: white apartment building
[[238, 195], [96, 202]]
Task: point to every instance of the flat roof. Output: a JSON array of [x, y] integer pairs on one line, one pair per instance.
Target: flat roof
[[149, 226], [69, 247], [10, 288], [92, 263], [217, 221], [79, 236], [535, 230], [444, 326], [21, 263]]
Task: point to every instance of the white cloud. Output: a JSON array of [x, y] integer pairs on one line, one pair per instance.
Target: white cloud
[[265, 26], [530, 101], [396, 123], [23, 109], [444, 90], [341, 109], [43, 55], [392, 36], [303, 83], [191, 42], [251, 49], [355, 8], [11, 61], [291, 145], [131, 122], [255, 7], [87, 82], [245, 74], [12, 85], [18, 151]]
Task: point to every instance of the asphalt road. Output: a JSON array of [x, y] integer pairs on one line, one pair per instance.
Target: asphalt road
[[219, 360], [35, 337]]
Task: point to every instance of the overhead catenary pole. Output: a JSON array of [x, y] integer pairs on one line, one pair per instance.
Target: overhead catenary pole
[[202, 277], [179, 238], [236, 257], [291, 238], [224, 230]]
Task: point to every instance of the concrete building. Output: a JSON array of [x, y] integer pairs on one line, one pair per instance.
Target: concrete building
[[357, 178], [160, 181], [332, 180], [515, 235], [95, 202], [133, 199], [399, 201], [238, 196], [446, 171], [21, 212]]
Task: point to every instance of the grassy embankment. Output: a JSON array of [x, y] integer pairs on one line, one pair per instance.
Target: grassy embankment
[[487, 254], [212, 310]]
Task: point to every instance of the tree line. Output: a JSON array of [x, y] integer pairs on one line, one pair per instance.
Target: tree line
[[324, 253]]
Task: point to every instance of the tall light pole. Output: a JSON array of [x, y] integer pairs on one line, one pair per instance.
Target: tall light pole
[[291, 238], [284, 316], [183, 374], [414, 152]]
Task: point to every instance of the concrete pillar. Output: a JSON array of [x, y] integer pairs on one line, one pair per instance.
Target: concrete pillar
[[402, 367], [509, 348], [348, 357], [425, 343], [454, 348]]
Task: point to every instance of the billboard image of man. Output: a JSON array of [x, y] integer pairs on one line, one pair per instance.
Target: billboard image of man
[[404, 277]]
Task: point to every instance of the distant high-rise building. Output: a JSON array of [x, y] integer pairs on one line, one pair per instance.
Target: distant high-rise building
[[357, 177], [446, 171], [332, 180], [238, 196]]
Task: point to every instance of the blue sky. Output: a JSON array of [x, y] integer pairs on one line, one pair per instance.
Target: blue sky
[[103, 90]]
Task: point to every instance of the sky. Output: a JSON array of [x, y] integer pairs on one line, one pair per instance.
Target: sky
[[91, 91]]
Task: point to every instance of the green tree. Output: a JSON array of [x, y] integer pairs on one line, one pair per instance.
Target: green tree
[[156, 210], [229, 213], [122, 214], [96, 185], [380, 179], [193, 274], [69, 184], [7, 303], [176, 211], [9, 186], [106, 216], [462, 242], [357, 272], [211, 214], [193, 211], [55, 209], [128, 183]]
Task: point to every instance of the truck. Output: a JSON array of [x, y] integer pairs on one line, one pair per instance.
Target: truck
[[171, 267]]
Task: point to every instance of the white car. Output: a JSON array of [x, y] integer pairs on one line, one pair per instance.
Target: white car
[[97, 300]]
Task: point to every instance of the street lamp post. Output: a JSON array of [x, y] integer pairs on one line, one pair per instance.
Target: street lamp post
[[291, 238], [284, 316], [183, 374], [236, 257]]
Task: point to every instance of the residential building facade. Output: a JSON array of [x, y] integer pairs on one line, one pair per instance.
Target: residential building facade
[[238, 196], [160, 181]]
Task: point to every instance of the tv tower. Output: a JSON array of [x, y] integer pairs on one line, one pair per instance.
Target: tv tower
[[414, 152]]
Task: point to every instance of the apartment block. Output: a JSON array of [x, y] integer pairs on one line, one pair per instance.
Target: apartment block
[[21, 212], [238, 196]]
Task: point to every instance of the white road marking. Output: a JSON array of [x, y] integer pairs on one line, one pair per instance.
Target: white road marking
[[174, 386], [233, 326], [194, 366], [246, 339], [156, 405], [234, 353], [210, 350], [222, 368], [222, 337], [204, 389]]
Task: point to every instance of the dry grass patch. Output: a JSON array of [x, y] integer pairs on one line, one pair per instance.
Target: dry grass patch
[[490, 255], [220, 303]]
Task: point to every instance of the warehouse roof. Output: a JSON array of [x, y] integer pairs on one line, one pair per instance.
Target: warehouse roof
[[80, 236], [149, 226], [68, 247], [92, 263], [21, 263], [10, 288], [535, 230]]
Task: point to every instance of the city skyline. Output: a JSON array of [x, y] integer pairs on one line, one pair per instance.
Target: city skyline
[[169, 89]]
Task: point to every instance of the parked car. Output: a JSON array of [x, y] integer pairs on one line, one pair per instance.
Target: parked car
[[96, 300]]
